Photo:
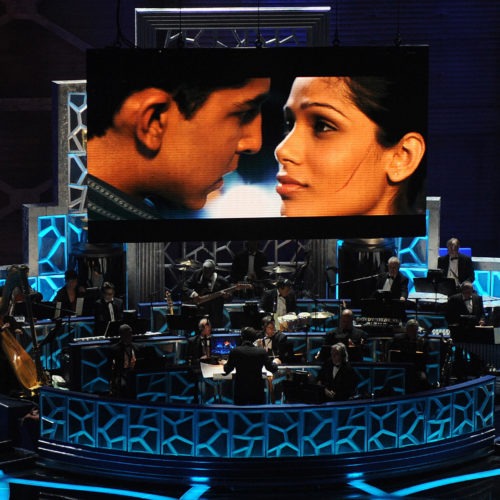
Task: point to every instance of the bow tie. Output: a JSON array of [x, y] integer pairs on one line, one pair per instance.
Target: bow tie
[[336, 366], [453, 258]]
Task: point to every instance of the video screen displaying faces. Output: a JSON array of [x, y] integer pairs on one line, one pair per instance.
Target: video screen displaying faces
[[195, 144]]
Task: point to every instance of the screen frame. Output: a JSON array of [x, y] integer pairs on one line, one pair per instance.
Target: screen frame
[[261, 62]]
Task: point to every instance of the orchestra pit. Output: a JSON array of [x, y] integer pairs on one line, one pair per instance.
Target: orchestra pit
[[226, 295]]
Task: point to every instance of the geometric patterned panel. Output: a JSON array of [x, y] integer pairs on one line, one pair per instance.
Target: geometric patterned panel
[[235, 27], [52, 248], [77, 155], [268, 431]]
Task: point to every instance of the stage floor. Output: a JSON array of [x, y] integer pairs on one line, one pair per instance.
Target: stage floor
[[479, 479]]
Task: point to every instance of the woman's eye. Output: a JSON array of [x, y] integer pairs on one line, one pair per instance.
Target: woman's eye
[[288, 126], [322, 126]]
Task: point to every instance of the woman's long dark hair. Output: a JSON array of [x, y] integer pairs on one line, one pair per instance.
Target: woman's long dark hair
[[396, 106]]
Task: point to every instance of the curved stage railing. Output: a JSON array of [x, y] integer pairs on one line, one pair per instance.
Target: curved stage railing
[[226, 444]]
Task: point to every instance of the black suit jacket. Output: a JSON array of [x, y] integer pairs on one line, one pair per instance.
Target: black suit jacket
[[399, 287], [240, 266], [344, 384], [102, 315], [248, 361], [465, 267], [456, 307], [280, 347], [270, 297]]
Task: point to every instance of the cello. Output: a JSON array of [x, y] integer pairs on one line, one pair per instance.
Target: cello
[[28, 372]]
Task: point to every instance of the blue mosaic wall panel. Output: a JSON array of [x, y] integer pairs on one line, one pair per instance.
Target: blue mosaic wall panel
[[270, 431]]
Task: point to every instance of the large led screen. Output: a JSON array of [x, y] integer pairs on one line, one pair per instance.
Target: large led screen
[[197, 144]]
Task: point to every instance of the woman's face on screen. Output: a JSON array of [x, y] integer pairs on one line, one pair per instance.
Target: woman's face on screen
[[330, 161]]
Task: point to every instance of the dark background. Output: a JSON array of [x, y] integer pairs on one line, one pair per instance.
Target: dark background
[[45, 40]]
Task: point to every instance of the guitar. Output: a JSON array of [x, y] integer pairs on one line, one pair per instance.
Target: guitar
[[201, 299], [168, 300]]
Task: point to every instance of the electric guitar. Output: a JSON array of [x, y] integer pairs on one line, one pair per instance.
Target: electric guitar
[[201, 299]]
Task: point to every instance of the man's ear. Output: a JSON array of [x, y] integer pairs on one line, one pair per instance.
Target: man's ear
[[407, 154], [143, 115]]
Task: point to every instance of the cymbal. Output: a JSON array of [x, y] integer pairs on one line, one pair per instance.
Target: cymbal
[[188, 263], [321, 315], [278, 269]]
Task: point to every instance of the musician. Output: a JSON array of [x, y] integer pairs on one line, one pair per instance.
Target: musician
[[352, 337], [123, 361], [393, 281], [107, 309], [207, 281], [465, 307], [199, 348], [248, 361], [71, 291], [275, 343], [410, 347], [338, 376], [455, 264], [280, 300], [248, 265], [13, 294]]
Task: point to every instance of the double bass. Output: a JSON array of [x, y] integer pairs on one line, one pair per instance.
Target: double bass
[[28, 372]]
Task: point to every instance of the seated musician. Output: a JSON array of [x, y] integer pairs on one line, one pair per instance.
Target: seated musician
[[280, 300], [410, 347], [393, 281], [465, 308], [352, 337], [275, 343], [338, 377], [206, 281], [69, 293], [200, 346], [108, 309], [123, 362]]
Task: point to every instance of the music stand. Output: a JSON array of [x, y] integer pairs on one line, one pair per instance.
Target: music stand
[[441, 284], [383, 308]]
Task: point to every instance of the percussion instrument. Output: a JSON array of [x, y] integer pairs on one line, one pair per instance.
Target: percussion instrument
[[288, 322]]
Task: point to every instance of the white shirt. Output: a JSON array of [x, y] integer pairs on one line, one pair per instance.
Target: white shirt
[[280, 305], [453, 270], [388, 283], [111, 311], [251, 264]]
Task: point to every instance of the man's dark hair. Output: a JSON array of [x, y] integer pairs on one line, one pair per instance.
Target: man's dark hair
[[107, 285], [116, 75], [248, 334]]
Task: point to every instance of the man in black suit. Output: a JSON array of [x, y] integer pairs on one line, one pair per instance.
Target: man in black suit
[[338, 376], [275, 343], [123, 360], [456, 265], [465, 307], [280, 300], [205, 282], [248, 361], [393, 281], [108, 309], [249, 264], [200, 346], [352, 337]]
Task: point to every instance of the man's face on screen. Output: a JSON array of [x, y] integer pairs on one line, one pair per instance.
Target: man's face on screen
[[330, 160], [196, 153]]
